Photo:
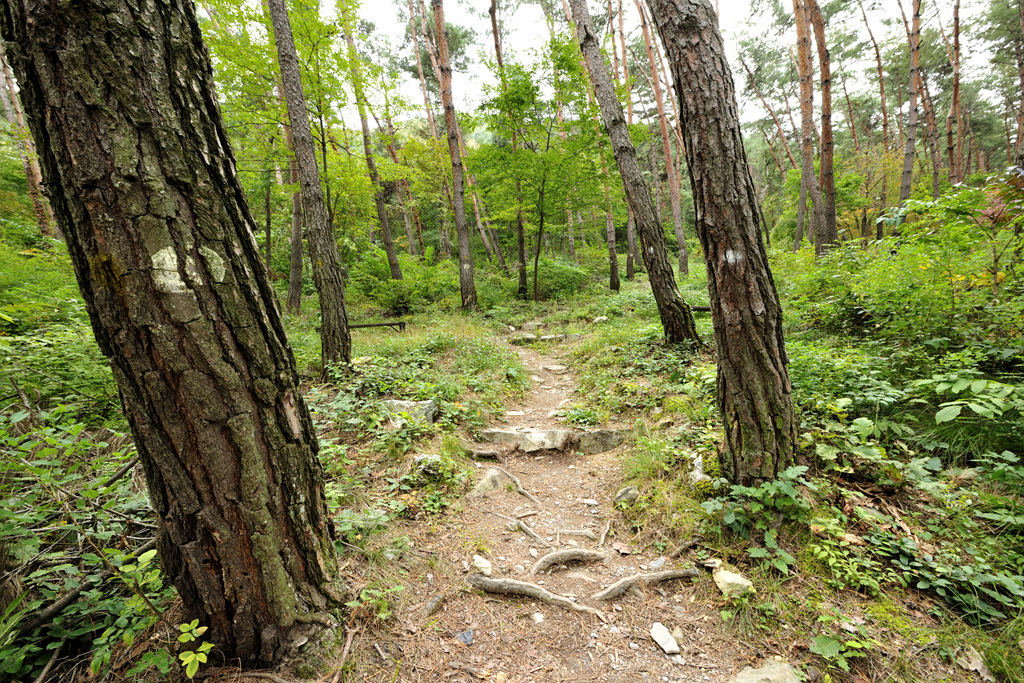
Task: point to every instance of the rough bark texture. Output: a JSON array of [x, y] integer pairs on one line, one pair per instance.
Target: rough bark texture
[[371, 164], [954, 144], [335, 340], [121, 101], [881, 82], [675, 197], [754, 391], [466, 284], [828, 235], [914, 36], [676, 317], [613, 254]]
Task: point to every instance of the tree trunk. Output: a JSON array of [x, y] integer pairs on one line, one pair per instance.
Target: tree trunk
[[613, 254], [754, 391], [881, 81], [808, 179], [335, 341], [266, 216], [955, 143], [914, 36], [771, 112], [828, 235], [33, 174], [673, 177], [163, 246], [466, 284], [676, 318], [630, 244]]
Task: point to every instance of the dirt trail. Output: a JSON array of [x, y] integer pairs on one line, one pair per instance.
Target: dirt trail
[[518, 639]]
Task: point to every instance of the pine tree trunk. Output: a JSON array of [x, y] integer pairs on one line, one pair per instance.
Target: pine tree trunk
[[163, 246], [771, 112], [754, 392], [954, 143], [881, 81], [914, 37], [808, 178], [266, 216], [613, 254], [335, 341], [673, 177], [828, 235], [676, 318], [630, 244], [466, 284]]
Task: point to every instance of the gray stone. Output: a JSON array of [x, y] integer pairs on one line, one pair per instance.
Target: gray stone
[[493, 480], [529, 440], [428, 464], [465, 637], [601, 319], [732, 584], [627, 495], [557, 369], [658, 563], [769, 672], [697, 472], [601, 440], [589, 501], [485, 455], [634, 647], [417, 411], [521, 339], [664, 639], [482, 565], [573, 337], [530, 327], [518, 568], [552, 337]]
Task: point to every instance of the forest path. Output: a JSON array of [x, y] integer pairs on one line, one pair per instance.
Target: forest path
[[520, 640]]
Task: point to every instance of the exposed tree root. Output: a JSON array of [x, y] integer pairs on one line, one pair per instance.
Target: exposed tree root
[[529, 590], [622, 585], [562, 556], [523, 526], [686, 545]]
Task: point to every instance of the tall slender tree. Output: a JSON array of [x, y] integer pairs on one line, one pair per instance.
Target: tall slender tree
[[754, 392], [808, 179], [466, 285], [914, 38], [335, 340], [828, 234], [676, 317], [162, 243]]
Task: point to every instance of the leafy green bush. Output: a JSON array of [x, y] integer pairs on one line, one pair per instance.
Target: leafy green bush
[[424, 283]]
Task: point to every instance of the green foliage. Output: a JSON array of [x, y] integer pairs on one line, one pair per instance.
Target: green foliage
[[424, 283]]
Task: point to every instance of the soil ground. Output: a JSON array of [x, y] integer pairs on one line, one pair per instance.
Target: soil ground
[[518, 639]]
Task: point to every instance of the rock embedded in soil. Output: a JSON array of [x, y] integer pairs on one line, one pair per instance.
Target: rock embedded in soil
[[482, 565], [552, 337], [732, 584], [600, 319], [523, 339], [627, 495], [556, 369], [428, 464], [769, 672], [529, 440], [417, 411], [601, 440], [664, 639], [493, 480]]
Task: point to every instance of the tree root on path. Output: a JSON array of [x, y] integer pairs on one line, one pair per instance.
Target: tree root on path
[[529, 590], [622, 585], [686, 545], [519, 486], [523, 526], [562, 556]]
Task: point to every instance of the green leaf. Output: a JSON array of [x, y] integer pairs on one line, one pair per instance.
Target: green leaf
[[826, 646], [978, 385], [948, 413]]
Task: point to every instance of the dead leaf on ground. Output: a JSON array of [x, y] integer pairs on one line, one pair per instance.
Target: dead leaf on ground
[[970, 660], [622, 548]]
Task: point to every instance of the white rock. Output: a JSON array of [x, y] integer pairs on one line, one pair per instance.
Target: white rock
[[590, 501], [732, 584], [482, 565], [533, 552], [769, 672], [634, 647], [664, 639], [601, 319], [658, 563], [538, 617]]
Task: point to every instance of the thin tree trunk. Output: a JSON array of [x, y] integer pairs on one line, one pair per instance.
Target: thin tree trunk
[[771, 112], [828, 235], [914, 37], [754, 391], [676, 317], [431, 121], [808, 179], [881, 79], [630, 244], [266, 215], [466, 285], [953, 144], [335, 341], [520, 228], [371, 165], [613, 254], [33, 175], [673, 177], [851, 118], [180, 305], [932, 130]]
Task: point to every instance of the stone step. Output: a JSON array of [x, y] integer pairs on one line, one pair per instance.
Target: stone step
[[531, 439]]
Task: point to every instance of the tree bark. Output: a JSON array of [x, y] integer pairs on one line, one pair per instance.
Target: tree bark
[[754, 391], [673, 176], [676, 317], [914, 37], [163, 246], [881, 81], [335, 341], [828, 235], [613, 254], [371, 164], [466, 285]]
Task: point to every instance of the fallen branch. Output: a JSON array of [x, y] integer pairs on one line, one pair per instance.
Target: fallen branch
[[584, 533], [563, 556], [604, 534], [686, 545], [121, 472], [622, 585], [529, 590]]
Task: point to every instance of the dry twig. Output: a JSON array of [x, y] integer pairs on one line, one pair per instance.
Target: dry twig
[[622, 585], [604, 534], [529, 590], [686, 545], [562, 556], [519, 486], [522, 526]]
